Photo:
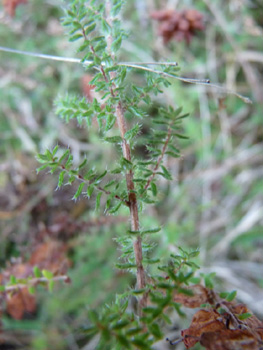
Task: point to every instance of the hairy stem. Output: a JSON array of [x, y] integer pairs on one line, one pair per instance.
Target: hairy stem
[[132, 198], [133, 204]]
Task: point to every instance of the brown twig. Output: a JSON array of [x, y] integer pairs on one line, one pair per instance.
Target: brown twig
[[132, 198]]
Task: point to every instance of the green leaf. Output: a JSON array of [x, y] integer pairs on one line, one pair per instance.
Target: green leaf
[[69, 161], [32, 290], [223, 295], [155, 330], [79, 190], [114, 209], [180, 136], [93, 316], [111, 183], [154, 189], [231, 296], [133, 331], [172, 154], [82, 165], [90, 190], [123, 341], [61, 178], [64, 155], [244, 316], [75, 37], [194, 254], [42, 168], [130, 232], [98, 201], [55, 150], [126, 164], [138, 291], [83, 47], [13, 279], [208, 280], [177, 112], [2, 288], [37, 272], [42, 158], [183, 116], [106, 28], [135, 111], [130, 134], [152, 230], [141, 344], [120, 324], [166, 173], [47, 274], [90, 28], [90, 330], [116, 44], [113, 139], [125, 266], [116, 9], [166, 319], [110, 121], [101, 176]]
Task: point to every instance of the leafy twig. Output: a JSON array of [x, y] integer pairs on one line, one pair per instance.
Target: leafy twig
[[160, 158]]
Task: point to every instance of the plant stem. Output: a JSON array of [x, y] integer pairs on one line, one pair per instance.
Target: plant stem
[[133, 204], [132, 198]]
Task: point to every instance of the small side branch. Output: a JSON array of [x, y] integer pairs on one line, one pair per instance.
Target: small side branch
[[35, 281], [90, 182], [160, 158]]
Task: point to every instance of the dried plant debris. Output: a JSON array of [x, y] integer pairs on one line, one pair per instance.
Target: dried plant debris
[[178, 25], [222, 324]]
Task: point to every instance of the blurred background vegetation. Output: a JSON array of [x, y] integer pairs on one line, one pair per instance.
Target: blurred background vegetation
[[215, 201]]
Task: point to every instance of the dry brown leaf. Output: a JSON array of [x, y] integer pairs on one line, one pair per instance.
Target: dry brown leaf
[[201, 295], [202, 322], [51, 256], [178, 25], [20, 302], [230, 339]]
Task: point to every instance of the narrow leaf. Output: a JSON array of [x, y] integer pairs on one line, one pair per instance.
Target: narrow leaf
[[79, 190], [98, 201], [231, 296], [61, 178], [115, 208], [154, 189], [166, 173], [90, 29], [113, 139], [37, 272], [47, 274], [152, 230], [32, 290]]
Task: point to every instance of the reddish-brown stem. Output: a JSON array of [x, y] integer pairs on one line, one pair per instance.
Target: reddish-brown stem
[[132, 198], [169, 134], [133, 205]]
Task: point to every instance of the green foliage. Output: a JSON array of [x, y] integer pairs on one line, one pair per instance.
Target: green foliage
[[91, 26], [179, 206], [118, 326]]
